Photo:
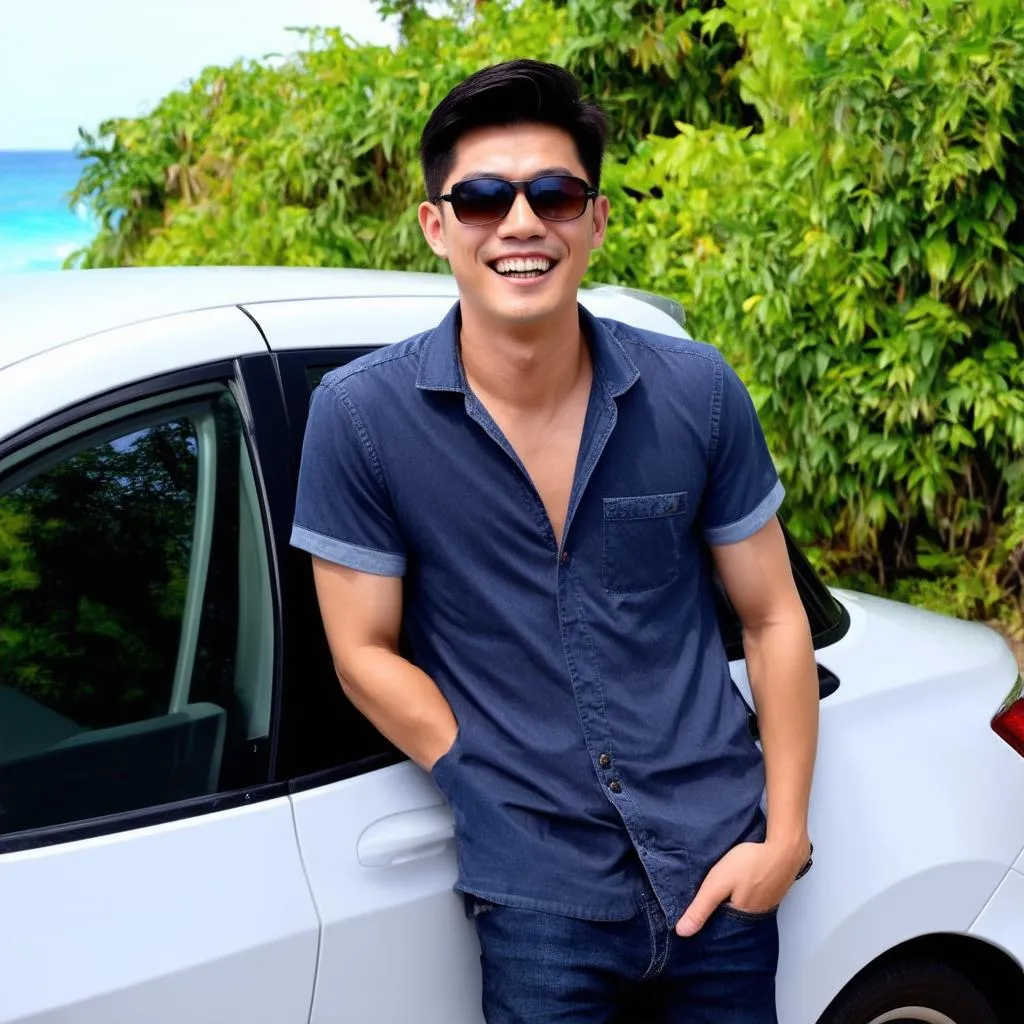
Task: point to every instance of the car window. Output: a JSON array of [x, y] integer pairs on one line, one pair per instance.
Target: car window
[[320, 730], [136, 621], [315, 374]]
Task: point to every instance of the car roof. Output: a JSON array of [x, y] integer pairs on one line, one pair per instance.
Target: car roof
[[40, 311]]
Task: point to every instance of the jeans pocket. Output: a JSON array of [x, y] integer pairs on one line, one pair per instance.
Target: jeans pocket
[[751, 916], [642, 537]]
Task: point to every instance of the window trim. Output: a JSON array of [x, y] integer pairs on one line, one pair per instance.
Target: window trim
[[341, 772], [244, 378], [146, 817], [105, 401], [293, 366]]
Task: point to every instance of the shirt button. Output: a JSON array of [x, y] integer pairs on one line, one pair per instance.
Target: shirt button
[[615, 786], [604, 760]]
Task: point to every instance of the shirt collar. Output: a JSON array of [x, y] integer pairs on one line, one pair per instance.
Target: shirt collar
[[441, 367]]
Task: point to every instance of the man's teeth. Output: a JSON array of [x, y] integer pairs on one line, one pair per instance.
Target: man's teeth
[[523, 266]]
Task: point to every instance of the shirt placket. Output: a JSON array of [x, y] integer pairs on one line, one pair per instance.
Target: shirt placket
[[577, 639]]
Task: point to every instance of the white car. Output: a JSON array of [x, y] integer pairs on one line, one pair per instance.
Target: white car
[[195, 826]]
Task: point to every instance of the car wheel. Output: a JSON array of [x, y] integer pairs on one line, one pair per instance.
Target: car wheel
[[914, 992]]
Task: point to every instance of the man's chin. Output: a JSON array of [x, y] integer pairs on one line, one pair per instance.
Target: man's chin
[[528, 309]]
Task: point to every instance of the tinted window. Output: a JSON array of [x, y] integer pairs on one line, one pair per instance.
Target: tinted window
[[320, 729], [135, 626]]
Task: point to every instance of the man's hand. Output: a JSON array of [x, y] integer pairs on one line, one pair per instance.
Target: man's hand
[[752, 876]]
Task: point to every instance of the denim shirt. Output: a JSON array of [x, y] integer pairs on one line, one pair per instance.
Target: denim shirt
[[601, 741]]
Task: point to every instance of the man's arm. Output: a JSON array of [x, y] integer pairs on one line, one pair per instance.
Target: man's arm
[[362, 615], [777, 644]]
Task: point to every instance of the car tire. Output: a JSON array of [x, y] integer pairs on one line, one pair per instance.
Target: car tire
[[912, 992]]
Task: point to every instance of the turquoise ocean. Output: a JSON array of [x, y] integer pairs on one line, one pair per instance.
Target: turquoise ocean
[[38, 229]]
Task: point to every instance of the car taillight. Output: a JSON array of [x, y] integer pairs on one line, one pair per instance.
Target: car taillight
[[1009, 720]]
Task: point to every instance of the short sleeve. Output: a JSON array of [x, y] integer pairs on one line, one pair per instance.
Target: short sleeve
[[743, 490], [343, 513]]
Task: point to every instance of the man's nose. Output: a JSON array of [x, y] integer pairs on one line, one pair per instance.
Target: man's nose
[[521, 221]]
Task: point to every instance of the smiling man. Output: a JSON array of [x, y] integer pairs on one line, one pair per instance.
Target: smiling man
[[541, 498]]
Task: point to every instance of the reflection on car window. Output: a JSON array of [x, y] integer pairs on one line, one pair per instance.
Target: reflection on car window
[[94, 558], [132, 670], [315, 374]]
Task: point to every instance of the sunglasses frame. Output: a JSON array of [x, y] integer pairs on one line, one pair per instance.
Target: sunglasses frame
[[521, 185]]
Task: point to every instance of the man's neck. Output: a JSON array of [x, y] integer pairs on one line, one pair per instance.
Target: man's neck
[[533, 367]]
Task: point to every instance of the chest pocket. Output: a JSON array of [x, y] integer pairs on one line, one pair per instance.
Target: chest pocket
[[642, 537]]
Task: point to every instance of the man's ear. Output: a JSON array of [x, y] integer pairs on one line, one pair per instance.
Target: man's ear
[[432, 226], [600, 221]]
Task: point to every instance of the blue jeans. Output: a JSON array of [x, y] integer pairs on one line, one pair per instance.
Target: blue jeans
[[547, 969]]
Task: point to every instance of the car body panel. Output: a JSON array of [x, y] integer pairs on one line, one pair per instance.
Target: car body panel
[[45, 310], [205, 919], [909, 839], [62, 376], [392, 921], [1001, 923], [334, 323], [49, 309]]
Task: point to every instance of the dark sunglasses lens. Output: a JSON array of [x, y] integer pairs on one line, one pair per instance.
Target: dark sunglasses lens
[[557, 198], [482, 201]]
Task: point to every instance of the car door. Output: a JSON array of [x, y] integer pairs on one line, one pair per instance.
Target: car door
[[149, 869]]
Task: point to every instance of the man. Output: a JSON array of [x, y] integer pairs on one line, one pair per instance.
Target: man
[[540, 499]]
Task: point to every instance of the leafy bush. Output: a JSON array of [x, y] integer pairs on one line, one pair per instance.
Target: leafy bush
[[860, 260], [314, 162], [833, 189]]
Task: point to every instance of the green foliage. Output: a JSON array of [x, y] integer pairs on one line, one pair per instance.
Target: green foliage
[[833, 189], [314, 162], [860, 259]]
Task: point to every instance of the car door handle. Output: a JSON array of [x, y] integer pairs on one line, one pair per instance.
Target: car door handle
[[411, 835]]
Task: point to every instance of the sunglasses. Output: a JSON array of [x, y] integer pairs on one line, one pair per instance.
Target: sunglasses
[[480, 201]]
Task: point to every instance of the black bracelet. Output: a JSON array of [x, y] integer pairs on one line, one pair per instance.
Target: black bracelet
[[807, 866]]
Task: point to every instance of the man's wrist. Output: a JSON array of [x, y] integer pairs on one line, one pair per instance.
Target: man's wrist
[[793, 848], [794, 843]]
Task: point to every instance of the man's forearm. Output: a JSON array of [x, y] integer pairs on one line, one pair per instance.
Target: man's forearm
[[401, 701], [784, 684]]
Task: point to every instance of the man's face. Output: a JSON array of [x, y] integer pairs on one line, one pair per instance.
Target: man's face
[[476, 253]]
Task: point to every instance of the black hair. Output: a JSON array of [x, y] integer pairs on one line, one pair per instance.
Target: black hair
[[515, 92]]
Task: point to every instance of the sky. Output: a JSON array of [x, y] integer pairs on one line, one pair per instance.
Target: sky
[[65, 63]]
